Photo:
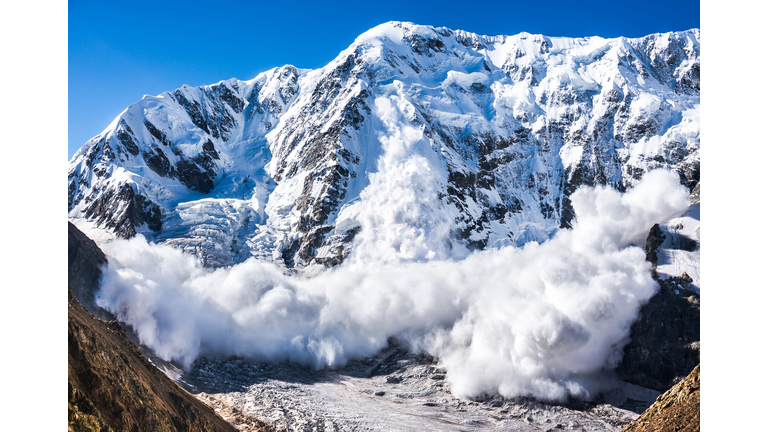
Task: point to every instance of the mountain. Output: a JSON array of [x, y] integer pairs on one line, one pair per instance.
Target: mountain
[[457, 140]]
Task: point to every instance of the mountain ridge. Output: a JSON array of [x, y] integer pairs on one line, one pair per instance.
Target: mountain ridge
[[497, 130]]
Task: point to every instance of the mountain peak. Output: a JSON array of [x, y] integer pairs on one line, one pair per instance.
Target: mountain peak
[[506, 127]]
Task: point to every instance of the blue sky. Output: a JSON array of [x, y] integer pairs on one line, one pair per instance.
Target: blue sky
[[119, 52]]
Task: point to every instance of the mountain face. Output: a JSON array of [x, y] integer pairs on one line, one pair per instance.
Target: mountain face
[[665, 340], [431, 133]]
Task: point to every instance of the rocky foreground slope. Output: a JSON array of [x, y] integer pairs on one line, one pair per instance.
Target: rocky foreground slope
[[491, 134], [86, 261], [676, 410], [112, 386]]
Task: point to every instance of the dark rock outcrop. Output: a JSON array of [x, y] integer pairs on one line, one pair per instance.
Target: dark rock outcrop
[[655, 239], [85, 263], [122, 210], [665, 339]]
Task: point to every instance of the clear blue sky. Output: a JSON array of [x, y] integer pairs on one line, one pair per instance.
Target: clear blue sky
[[120, 51]]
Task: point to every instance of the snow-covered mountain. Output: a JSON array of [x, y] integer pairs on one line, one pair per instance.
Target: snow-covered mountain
[[414, 143]]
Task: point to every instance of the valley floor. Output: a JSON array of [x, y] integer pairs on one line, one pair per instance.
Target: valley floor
[[393, 391]]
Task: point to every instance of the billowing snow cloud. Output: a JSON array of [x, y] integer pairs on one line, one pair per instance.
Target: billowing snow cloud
[[541, 320]]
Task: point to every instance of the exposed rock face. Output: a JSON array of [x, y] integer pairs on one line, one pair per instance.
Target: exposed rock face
[[85, 263], [112, 387], [655, 239], [665, 340], [677, 410], [509, 127]]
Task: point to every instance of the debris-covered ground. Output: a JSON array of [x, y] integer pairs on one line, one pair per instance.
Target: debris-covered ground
[[393, 391]]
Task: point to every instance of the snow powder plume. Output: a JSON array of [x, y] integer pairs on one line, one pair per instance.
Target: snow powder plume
[[541, 321], [400, 212]]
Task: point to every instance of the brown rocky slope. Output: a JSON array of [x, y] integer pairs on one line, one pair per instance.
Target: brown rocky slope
[[677, 410], [112, 387]]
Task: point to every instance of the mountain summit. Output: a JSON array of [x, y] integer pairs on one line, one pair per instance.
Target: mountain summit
[[420, 142]]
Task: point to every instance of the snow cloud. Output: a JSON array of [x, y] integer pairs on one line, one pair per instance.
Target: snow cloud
[[541, 320]]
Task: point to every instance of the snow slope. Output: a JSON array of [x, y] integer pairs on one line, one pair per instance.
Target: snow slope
[[414, 143], [679, 253]]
